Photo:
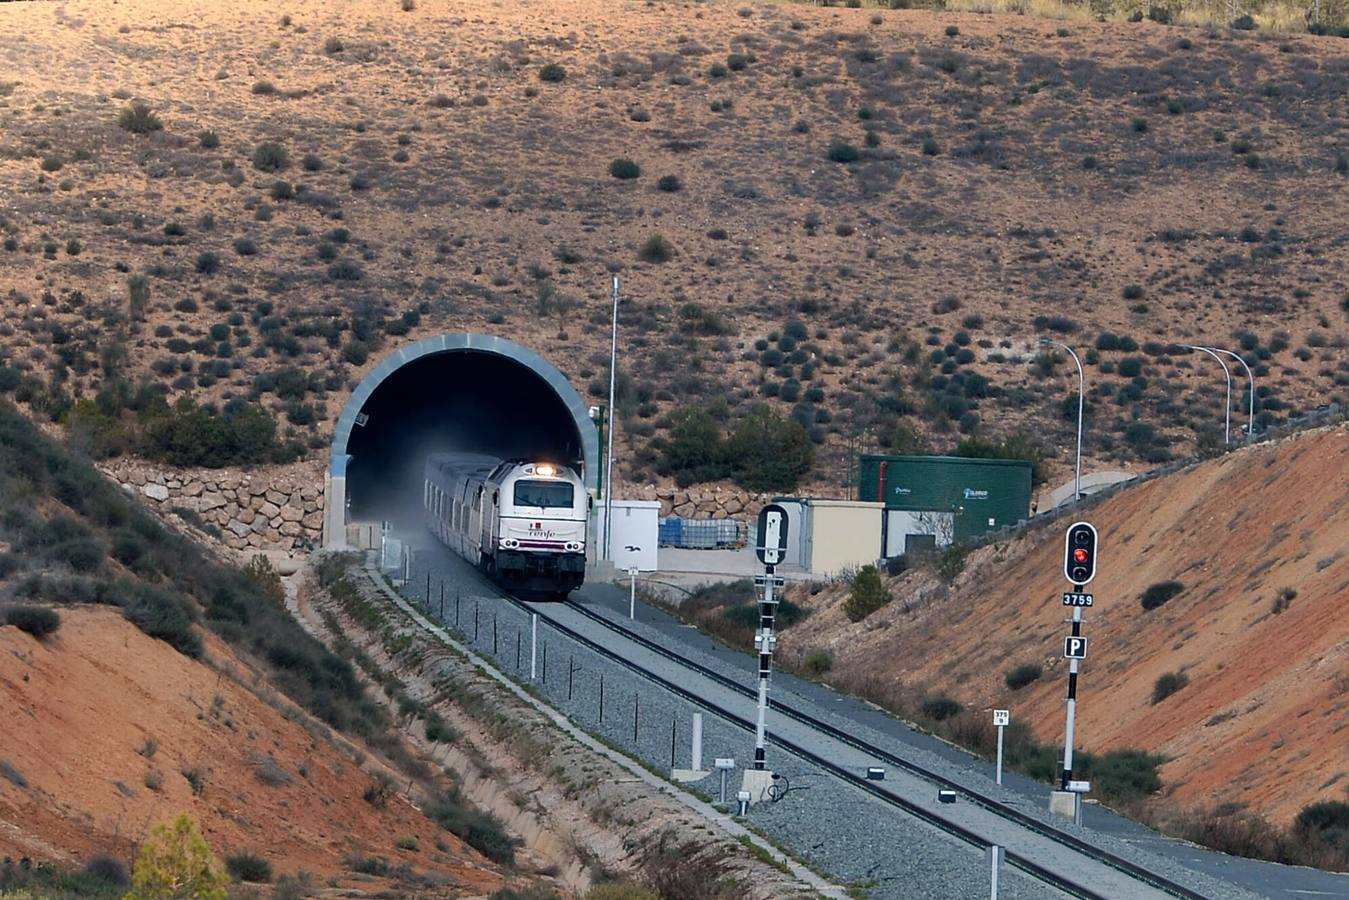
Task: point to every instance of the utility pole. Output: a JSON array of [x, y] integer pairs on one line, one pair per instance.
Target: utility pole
[[609, 427], [1250, 421], [771, 548]]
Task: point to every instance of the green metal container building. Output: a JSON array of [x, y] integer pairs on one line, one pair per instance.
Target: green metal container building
[[949, 497]]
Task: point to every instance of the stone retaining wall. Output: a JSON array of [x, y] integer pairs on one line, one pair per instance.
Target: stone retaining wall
[[280, 509], [705, 502]]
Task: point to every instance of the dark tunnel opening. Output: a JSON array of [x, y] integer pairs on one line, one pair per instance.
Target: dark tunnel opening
[[461, 400]]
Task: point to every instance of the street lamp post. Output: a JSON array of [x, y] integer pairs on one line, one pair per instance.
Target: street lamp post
[[609, 426], [1227, 427], [1081, 392], [1250, 421]]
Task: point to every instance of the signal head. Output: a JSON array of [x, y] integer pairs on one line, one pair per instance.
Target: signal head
[[1079, 558]]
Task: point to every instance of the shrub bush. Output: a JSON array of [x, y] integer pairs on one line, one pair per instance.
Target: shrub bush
[[1167, 685], [1159, 593], [107, 869], [208, 263], [1327, 821], [842, 152], [249, 867], [817, 663], [36, 620], [552, 72], [480, 830], [624, 169], [768, 452], [868, 594], [1023, 675], [345, 270], [270, 157], [138, 118], [939, 709], [656, 249], [669, 183]]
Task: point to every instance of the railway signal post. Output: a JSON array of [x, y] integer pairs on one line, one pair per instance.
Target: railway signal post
[[771, 548], [1079, 567]]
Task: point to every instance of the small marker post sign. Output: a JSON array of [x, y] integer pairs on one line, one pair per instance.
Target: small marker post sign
[[1001, 719]]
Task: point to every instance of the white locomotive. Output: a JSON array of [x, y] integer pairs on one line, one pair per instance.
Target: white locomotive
[[522, 523]]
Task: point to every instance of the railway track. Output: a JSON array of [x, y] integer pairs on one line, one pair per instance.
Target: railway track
[[1044, 873]]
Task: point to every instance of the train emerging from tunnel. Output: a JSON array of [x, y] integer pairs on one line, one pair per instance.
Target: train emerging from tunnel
[[522, 523]]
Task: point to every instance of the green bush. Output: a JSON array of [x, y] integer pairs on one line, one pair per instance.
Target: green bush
[[208, 263], [621, 892], [270, 157], [1158, 594], [1327, 821], [1023, 675], [1167, 685], [669, 183], [139, 119], [345, 270], [624, 169], [951, 562], [842, 152], [939, 709], [656, 249], [817, 663], [249, 867], [480, 830], [768, 452], [190, 435], [868, 594], [1121, 776], [36, 620], [552, 72]]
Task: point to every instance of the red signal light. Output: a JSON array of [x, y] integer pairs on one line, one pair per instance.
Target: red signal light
[[1079, 555]]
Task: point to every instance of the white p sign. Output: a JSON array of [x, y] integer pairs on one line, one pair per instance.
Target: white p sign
[[771, 546], [1002, 717]]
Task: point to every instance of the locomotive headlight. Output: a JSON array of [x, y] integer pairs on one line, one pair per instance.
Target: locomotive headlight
[[573, 545], [510, 543], [545, 469]]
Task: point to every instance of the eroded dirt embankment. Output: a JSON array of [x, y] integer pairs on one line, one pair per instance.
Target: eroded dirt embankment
[[1264, 717], [108, 731]]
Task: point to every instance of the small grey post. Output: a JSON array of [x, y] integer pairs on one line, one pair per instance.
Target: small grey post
[[698, 742], [609, 431], [534, 648], [1081, 392], [1001, 719], [742, 803], [995, 855], [724, 765], [632, 592]]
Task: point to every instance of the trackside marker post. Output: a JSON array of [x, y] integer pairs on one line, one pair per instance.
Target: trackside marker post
[[1001, 719]]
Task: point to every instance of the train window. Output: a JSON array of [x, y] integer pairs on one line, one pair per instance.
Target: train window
[[543, 494]]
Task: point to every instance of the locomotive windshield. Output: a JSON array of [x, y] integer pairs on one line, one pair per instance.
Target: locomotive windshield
[[543, 494]]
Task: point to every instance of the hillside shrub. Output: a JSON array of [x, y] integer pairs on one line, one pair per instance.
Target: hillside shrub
[[249, 867], [1167, 685], [1121, 776], [768, 452], [939, 709], [208, 263], [867, 595], [38, 621], [1022, 675], [669, 183], [138, 118], [951, 562], [656, 249], [345, 270], [270, 156], [552, 72], [842, 152], [817, 663], [1326, 821], [176, 861], [190, 435], [480, 830], [624, 169], [107, 869], [1158, 594]]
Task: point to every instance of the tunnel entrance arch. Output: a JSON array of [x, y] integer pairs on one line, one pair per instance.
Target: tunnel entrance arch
[[478, 381]]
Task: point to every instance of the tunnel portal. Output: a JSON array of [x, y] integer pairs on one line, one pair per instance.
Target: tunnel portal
[[465, 392]]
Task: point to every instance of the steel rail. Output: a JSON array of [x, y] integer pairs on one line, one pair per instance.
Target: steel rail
[[1010, 813], [1030, 867]]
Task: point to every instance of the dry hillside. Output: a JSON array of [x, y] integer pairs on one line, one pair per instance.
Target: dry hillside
[[869, 215], [121, 732], [1261, 628]]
